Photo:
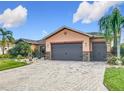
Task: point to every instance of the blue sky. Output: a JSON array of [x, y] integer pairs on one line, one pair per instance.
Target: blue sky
[[45, 17]]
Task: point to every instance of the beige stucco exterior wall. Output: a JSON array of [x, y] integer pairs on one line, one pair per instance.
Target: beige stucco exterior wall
[[33, 46], [70, 36]]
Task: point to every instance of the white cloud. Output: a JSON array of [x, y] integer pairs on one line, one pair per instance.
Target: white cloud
[[44, 33], [88, 12], [13, 18]]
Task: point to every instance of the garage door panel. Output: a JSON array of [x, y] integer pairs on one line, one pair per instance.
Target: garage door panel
[[66, 51], [99, 51], [57, 51]]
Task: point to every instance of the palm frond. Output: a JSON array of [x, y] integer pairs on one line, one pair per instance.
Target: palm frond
[[105, 27], [7, 36]]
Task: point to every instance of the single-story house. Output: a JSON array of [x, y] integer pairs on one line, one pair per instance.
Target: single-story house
[[70, 44]]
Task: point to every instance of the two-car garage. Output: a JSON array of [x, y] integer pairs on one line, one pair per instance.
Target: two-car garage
[[69, 44], [73, 51]]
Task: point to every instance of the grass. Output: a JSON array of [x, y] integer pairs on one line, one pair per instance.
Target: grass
[[114, 79], [9, 64]]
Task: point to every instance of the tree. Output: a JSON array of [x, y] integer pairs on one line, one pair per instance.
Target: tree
[[117, 24], [105, 28], [7, 38], [21, 48], [111, 26]]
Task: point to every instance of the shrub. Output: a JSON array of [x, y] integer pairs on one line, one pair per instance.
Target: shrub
[[21, 48], [20, 57], [39, 52], [6, 56], [113, 60], [122, 59]]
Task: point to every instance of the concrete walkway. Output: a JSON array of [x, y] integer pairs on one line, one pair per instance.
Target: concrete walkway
[[55, 75]]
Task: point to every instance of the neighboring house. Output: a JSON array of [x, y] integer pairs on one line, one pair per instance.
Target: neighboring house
[[70, 44], [35, 44], [6, 48]]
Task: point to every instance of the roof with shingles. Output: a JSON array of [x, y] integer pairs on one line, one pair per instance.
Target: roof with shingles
[[95, 33], [65, 27], [39, 42], [42, 41], [92, 34]]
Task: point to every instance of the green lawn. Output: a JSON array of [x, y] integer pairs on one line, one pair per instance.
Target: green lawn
[[8, 64], [114, 79]]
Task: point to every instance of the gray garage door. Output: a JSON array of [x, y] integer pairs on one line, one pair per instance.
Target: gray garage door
[[67, 51], [99, 51]]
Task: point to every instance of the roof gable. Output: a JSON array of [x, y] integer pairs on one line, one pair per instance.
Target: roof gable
[[62, 28]]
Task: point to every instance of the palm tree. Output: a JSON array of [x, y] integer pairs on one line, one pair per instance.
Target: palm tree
[[7, 38], [111, 26], [105, 28], [117, 25]]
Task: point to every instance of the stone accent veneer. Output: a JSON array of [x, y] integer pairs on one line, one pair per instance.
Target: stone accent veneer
[[86, 56], [48, 55]]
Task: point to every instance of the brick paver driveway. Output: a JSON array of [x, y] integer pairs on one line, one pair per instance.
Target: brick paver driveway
[[54, 75]]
